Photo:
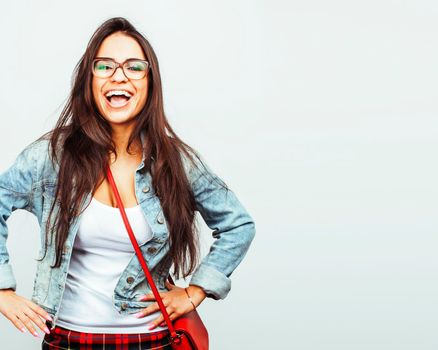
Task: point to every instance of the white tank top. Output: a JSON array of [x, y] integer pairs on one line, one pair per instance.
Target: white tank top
[[101, 251]]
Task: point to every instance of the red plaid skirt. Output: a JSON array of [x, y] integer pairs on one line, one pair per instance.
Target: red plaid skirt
[[62, 338]]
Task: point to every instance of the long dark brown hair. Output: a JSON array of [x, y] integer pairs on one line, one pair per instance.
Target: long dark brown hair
[[81, 142]]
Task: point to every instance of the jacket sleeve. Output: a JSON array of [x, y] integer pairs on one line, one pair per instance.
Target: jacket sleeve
[[15, 193], [233, 231]]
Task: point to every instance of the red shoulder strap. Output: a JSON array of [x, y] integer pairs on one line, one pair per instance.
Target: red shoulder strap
[[140, 256]]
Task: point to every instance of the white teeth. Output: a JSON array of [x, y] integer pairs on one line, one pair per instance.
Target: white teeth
[[118, 92]]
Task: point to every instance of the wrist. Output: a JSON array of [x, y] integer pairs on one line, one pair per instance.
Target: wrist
[[6, 292], [196, 293], [9, 290]]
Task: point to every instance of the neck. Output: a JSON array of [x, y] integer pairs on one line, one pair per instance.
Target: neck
[[120, 136]]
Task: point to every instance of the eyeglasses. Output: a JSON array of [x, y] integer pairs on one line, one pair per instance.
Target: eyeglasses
[[133, 68]]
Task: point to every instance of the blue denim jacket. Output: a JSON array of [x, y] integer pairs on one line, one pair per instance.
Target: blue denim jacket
[[29, 184]]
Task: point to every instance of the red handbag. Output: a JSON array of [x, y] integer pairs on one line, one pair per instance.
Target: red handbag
[[187, 332]]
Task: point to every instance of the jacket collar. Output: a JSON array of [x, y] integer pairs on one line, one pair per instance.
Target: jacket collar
[[142, 138]]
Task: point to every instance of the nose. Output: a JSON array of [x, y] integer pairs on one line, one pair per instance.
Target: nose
[[119, 75]]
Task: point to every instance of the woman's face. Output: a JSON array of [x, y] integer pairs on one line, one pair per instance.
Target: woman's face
[[119, 47]]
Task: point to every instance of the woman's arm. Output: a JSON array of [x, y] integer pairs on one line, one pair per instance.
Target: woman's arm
[[15, 193], [233, 230]]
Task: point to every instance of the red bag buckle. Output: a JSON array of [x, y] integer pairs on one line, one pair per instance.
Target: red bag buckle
[[176, 339]]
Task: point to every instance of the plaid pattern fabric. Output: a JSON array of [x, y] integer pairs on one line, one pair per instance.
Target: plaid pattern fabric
[[62, 338]]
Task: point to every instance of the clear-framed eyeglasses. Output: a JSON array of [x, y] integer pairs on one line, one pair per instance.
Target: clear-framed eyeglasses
[[133, 68]]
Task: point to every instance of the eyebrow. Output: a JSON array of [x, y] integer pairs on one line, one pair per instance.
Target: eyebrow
[[110, 58]]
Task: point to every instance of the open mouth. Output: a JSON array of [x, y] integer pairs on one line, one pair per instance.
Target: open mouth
[[118, 98]]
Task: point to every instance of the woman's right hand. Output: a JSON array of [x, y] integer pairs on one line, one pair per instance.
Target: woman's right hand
[[22, 312]]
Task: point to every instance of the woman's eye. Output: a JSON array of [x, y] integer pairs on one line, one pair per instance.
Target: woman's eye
[[136, 66], [103, 67]]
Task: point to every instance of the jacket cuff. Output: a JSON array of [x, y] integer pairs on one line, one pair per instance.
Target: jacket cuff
[[7, 279], [214, 283]]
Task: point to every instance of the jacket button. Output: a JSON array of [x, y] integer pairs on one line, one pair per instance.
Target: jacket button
[[152, 250], [124, 306], [160, 220], [130, 279], [146, 189]]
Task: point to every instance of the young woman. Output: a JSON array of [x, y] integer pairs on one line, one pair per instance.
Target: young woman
[[90, 290]]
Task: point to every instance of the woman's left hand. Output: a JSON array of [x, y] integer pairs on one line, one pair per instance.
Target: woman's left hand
[[175, 301]]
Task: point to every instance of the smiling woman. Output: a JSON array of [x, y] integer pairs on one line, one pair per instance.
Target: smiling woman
[[120, 94], [89, 289]]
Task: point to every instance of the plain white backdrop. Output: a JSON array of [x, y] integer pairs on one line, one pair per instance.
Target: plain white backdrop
[[320, 115]]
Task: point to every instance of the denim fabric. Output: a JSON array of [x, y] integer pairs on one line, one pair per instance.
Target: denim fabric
[[30, 183]]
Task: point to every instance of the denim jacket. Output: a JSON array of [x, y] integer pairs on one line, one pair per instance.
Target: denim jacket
[[30, 183]]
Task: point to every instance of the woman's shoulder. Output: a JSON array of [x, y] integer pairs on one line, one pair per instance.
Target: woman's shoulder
[[38, 147], [194, 163], [29, 169], [199, 172], [37, 155]]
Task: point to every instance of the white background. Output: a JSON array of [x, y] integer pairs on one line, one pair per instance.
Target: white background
[[320, 115]]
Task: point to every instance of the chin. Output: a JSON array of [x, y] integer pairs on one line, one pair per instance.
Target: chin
[[118, 116], [119, 119]]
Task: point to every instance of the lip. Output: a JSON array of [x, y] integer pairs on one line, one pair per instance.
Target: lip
[[117, 107], [128, 90]]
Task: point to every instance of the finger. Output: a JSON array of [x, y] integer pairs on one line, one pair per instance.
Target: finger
[[28, 324], [36, 320], [17, 323], [39, 310], [156, 322], [160, 321], [151, 296], [146, 311], [145, 297], [154, 308]]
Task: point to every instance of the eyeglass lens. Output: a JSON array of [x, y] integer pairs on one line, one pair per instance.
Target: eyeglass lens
[[133, 69]]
